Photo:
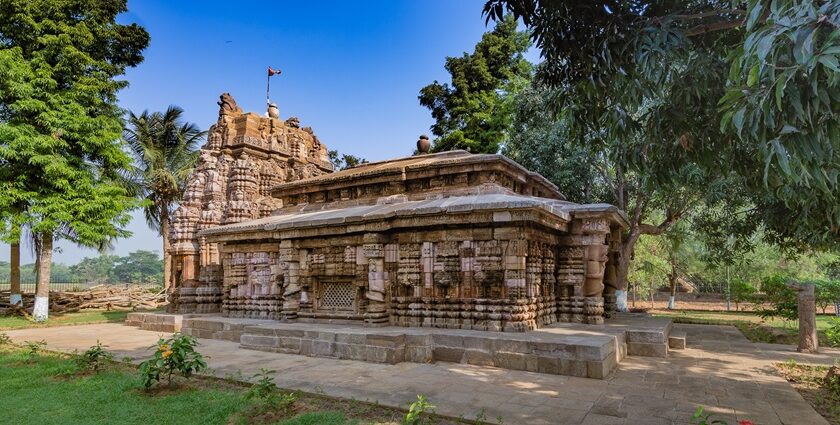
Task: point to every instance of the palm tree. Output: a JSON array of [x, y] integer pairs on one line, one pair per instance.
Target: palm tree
[[165, 149]]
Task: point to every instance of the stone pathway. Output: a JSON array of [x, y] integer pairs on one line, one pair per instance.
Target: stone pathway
[[720, 370]]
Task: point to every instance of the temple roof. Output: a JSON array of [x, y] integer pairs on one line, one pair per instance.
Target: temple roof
[[420, 166], [560, 212]]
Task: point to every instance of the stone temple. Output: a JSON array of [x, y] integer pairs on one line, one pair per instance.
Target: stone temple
[[450, 240], [450, 257]]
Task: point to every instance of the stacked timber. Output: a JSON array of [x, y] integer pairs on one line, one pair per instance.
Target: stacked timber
[[100, 297]]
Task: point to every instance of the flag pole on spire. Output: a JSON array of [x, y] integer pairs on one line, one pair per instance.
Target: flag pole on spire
[[271, 72]]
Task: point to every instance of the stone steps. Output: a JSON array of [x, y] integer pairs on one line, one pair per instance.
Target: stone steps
[[649, 342], [591, 351], [225, 329], [676, 340], [157, 322], [582, 356]]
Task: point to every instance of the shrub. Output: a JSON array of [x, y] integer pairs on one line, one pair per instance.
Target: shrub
[[265, 391], [741, 292], [780, 296], [94, 358], [701, 418], [416, 411], [827, 292], [5, 339], [173, 355], [832, 333], [33, 348]]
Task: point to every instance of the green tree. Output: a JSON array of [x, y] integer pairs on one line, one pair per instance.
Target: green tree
[[344, 161], [165, 150], [748, 87], [595, 166], [94, 269], [474, 113], [137, 267], [60, 148]]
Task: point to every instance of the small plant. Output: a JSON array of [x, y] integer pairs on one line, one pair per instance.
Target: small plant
[[94, 358], [33, 348], [5, 339], [832, 333], [173, 355], [265, 391], [701, 418], [481, 416], [416, 411]]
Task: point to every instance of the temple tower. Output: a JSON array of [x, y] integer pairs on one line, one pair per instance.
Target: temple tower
[[244, 157]]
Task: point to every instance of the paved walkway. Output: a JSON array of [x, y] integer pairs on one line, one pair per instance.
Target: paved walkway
[[720, 370]]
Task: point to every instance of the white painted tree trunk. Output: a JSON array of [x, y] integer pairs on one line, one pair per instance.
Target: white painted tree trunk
[[14, 275], [621, 300], [41, 310], [672, 302]]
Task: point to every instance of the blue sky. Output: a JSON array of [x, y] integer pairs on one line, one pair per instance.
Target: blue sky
[[351, 70]]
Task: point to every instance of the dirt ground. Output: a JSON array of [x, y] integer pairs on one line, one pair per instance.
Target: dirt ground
[[711, 302]]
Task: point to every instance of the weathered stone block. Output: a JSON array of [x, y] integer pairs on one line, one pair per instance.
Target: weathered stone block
[[448, 354], [478, 358], [322, 348], [647, 350]]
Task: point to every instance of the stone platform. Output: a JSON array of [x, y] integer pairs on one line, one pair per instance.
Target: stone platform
[[590, 351]]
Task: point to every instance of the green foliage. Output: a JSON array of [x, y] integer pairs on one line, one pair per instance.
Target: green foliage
[[827, 292], [265, 391], [738, 92], [780, 297], [33, 349], [5, 339], [741, 292], [137, 267], [344, 161], [474, 112], [832, 333], [165, 149], [94, 269], [94, 358], [417, 410], [59, 121], [702, 418], [175, 354]]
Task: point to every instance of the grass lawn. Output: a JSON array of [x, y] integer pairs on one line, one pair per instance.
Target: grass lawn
[[42, 392], [756, 329], [80, 318]]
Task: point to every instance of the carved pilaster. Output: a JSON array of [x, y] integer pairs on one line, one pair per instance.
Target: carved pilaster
[[377, 278], [288, 260]]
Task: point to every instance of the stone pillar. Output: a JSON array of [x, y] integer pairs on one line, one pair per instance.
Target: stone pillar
[[376, 312], [582, 262], [288, 258], [610, 276], [806, 306]]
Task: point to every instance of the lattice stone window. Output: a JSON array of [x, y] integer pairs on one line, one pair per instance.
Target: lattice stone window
[[337, 296]]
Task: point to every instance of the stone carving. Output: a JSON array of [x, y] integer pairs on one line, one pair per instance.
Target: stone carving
[[293, 122], [228, 106]]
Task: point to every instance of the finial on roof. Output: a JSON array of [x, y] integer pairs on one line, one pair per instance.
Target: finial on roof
[[423, 145], [273, 110]]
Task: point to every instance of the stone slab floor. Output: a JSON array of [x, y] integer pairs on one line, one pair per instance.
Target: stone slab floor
[[720, 370]]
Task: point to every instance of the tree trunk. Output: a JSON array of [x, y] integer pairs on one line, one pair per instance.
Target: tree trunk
[[41, 309], [164, 232], [622, 268], [672, 279], [808, 341], [15, 297]]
